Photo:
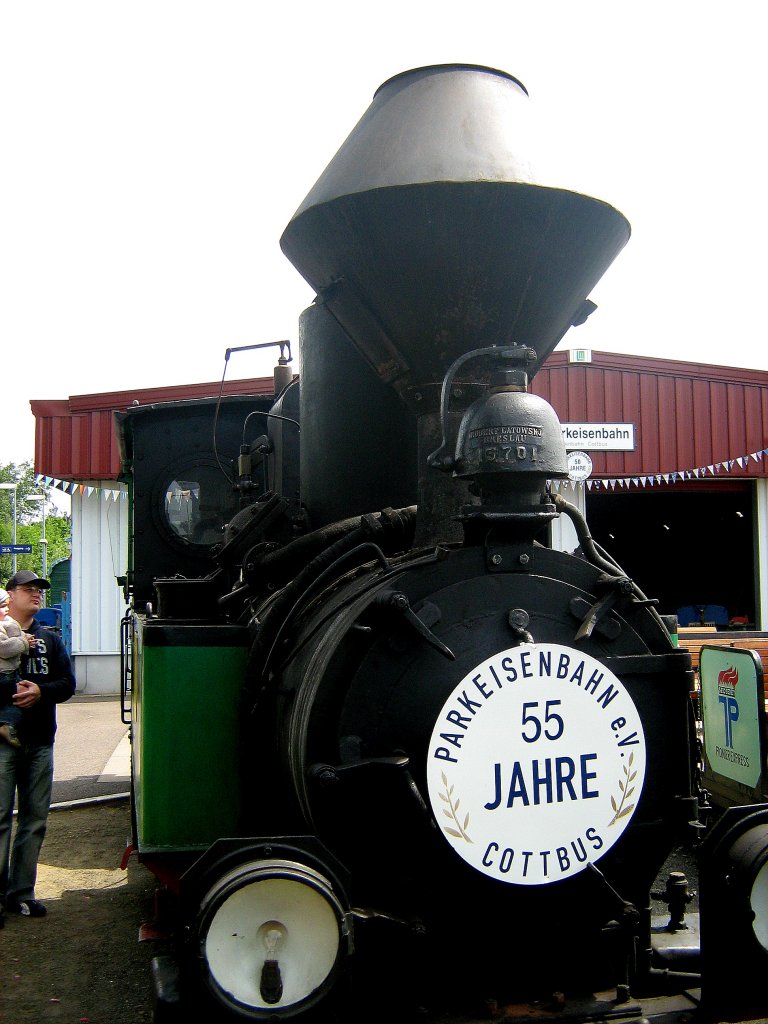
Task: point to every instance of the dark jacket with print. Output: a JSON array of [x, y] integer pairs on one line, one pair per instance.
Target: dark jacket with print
[[48, 666]]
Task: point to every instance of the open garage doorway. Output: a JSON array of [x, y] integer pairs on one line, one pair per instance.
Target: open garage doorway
[[690, 546]]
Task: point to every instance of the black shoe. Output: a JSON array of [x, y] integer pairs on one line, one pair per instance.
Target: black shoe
[[27, 908]]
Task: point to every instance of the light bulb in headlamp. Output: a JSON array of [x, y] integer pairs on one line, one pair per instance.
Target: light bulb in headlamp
[[273, 937], [271, 983]]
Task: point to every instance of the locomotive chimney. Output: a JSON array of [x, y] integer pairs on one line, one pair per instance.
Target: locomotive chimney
[[429, 236]]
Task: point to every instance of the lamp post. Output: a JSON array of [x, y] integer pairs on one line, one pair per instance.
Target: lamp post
[[12, 487], [43, 499]]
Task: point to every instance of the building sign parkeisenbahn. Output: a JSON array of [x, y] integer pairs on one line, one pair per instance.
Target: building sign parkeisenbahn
[[613, 437]]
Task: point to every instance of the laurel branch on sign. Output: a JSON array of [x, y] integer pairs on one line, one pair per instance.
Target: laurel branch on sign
[[627, 789], [452, 812]]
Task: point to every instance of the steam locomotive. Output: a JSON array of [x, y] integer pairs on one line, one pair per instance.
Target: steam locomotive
[[394, 755]]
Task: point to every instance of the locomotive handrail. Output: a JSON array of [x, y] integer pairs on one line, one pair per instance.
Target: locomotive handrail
[[125, 668]]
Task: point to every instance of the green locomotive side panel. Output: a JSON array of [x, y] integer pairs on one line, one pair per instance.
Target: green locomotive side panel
[[186, 733]]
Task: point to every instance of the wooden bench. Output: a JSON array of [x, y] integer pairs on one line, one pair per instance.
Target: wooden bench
[[692, 639]]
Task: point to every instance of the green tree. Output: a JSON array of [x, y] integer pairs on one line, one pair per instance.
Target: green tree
[[29, 525]]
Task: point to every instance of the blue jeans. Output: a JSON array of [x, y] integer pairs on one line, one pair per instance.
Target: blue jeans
[[9, 713], [28, 771]]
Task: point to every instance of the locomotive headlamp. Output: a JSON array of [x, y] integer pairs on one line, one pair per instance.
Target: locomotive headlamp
[[510, 431], [734, 912], [509, 442], [270, 937]]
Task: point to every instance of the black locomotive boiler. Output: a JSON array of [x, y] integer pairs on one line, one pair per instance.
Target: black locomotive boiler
[[394, 755]]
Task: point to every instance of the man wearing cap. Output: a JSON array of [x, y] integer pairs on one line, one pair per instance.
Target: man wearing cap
[[47, 679]]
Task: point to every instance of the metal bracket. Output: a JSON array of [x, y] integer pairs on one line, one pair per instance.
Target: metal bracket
[[509, 557]]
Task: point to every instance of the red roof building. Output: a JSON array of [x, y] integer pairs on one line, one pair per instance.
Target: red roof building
[[689, 418], [685, 498], [75, 437]]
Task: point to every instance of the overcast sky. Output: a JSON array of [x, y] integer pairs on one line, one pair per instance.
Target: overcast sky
[[153, 153]]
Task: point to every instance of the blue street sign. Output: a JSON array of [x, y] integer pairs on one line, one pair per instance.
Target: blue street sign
[[15, 549]]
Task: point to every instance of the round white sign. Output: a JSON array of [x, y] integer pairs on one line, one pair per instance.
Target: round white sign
[[579, 466], [536, 764]]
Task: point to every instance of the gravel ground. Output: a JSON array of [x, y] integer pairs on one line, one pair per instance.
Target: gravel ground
[[83, 962]]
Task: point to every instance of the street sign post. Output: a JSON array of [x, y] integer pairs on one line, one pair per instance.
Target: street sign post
[[15, 549]]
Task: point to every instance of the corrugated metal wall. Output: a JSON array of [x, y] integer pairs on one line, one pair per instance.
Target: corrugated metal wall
[[686, 415], [75, 438]]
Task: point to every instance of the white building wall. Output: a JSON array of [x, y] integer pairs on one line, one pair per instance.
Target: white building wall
[[563, 535], [99, 555]]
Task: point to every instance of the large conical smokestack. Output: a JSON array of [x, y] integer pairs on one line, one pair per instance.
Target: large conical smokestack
[[428, 234]]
